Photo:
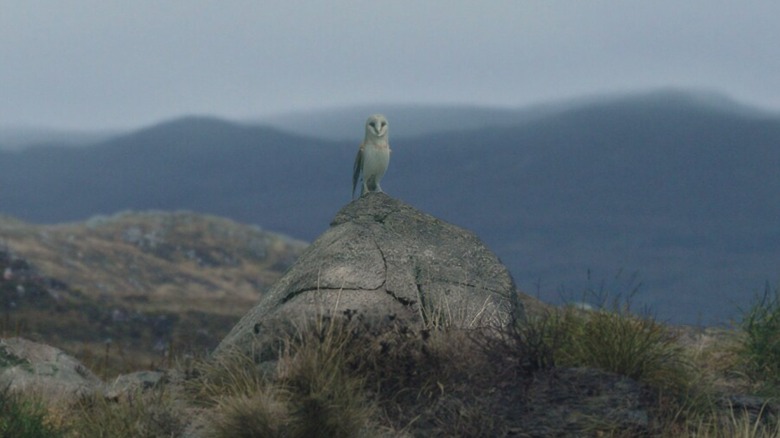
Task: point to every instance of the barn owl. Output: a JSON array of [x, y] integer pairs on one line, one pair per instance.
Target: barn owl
[[373, 156]]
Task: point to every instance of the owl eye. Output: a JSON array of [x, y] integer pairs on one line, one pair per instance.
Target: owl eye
[[384, 124], [372, 124]]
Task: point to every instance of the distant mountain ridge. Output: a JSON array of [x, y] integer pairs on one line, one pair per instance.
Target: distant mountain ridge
[[677, 187], [423, 119], [409, 120]]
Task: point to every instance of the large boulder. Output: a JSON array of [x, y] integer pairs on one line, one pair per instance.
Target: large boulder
[[382, 259]]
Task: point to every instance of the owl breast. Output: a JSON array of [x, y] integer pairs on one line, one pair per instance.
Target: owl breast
[[376, 157]]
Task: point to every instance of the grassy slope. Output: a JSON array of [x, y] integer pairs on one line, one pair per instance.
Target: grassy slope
[[137, 285]]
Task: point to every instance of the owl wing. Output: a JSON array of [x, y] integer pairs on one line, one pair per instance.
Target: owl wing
[[356, 169]]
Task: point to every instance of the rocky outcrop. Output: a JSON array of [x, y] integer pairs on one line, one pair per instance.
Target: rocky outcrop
[[125, 385], [26, 366], [144, 281], [384, 260]]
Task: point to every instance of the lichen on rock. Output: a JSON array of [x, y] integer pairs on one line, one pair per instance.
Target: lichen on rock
[[383, 259]]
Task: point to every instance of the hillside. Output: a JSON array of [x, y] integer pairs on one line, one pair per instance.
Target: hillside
[[141, 282], [677, 188]]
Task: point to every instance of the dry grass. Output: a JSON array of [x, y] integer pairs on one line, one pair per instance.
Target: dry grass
[[150, 285], [261, 414], [309, 391], [636, 347], [144, 415], [731, 422], [340, 376], [760, 346], [155, 261]]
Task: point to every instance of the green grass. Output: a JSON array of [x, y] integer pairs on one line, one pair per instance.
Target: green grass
[[24, 417], [760, 347], [149, 414], [633, 346], [615, 340]]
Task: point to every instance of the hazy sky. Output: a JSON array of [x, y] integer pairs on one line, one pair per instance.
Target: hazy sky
[[124, 64]]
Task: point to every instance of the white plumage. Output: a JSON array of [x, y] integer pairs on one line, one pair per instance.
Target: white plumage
[[373, 156]]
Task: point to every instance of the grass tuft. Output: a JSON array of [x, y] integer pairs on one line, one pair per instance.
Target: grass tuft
[[261, 414], [311, 389], [760, 347], [729, 423], [143, 414], [633, 346], [22, 416], [326, 399]]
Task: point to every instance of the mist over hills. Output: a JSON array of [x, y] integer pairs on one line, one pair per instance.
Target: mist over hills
[[679, 188], [415, 120], [14, 138], [406, 120]]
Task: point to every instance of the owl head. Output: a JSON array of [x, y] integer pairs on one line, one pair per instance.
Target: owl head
[[377, 127]]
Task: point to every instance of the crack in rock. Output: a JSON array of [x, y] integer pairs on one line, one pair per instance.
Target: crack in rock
[[405, 301], [430, 268], [295, 293], [381, 254]]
